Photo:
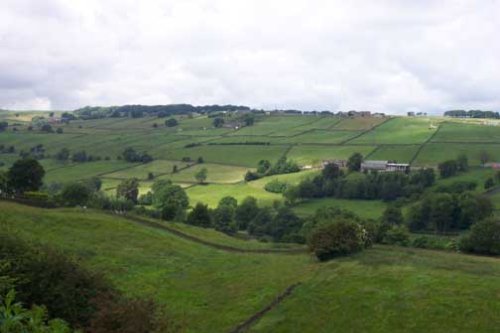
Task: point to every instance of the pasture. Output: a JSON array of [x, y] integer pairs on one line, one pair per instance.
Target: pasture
[[203, 289], [228, 153]]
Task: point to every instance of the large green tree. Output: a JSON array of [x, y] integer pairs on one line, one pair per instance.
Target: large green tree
[[128, 189], [25, 175], [354, 162]]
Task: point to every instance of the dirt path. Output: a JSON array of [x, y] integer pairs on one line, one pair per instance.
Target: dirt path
[[243, 327], [207, 243]]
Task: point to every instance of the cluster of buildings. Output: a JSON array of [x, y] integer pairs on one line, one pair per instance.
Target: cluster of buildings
[[373, 165]]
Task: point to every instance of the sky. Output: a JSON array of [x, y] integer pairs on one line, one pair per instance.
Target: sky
[[383, 56]]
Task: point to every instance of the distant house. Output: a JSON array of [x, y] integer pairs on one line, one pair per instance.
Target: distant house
[[493, 165], [374, 165], [339, 163], [365, 113], [384, 166]]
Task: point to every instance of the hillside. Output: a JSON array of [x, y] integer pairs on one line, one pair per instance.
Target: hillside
[[384, 289], [229, 152]]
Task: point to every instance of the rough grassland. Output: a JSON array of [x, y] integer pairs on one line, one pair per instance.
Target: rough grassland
[[206, 290], [383, 289], [394, 290]]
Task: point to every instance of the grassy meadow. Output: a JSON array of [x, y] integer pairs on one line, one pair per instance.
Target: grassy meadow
[[229, 153], [383, 289]]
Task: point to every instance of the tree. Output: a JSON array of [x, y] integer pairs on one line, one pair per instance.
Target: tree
[[392, 216], [223, 219], [174, 168], [263, 167], [462, 163], [249, 176], [260, 224], [200, 216], [229, 201], [448, 168], [331, 171], [171, 199], [171, 122], [79, 156], [285, 226], [62, 155], [483, 238], [25, 175], [340, 238], [47, 128], [442, 210], [485, 157], [59, 130], [246, 212], [354, 162], [248, 119], [74, 194], [200, 160], [489, 183], [218, 122], [201, 175], [128, 189], [3, 125]]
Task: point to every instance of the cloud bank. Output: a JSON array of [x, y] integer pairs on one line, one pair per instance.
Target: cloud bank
[[385, 56]]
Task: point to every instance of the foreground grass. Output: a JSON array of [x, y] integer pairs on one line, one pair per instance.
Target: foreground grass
[[394, 290], [384, 289], [206, 290]]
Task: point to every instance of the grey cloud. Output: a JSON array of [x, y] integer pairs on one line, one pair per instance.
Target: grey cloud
[[388, 56]]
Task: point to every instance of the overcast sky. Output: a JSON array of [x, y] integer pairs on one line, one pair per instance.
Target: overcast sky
[[385, 56]]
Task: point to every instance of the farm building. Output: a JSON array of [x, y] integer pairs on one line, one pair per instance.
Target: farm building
[[385, 166], [493, 165]]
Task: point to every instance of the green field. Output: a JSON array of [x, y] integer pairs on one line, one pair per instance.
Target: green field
[[315, 155], [228, 153], [401, 154], [433, 153], [465, 133], [398, 131], [384, 289]]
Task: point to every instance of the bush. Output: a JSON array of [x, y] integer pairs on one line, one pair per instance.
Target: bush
[[46, 277], [397, 235], [337, 239], [74, 194], [200, 216], [276, 186], [483, 238]]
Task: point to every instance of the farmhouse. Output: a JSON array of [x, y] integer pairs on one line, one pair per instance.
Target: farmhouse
[[384, 166]]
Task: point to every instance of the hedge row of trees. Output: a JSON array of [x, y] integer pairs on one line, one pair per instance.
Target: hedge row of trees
[[472, 114], [266, 168], [332, 182], [278, 223], [137, 111]]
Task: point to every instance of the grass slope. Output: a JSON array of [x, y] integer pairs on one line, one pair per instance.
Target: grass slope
[[384, 289]]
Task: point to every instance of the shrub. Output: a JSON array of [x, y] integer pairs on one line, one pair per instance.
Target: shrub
[[397, 235], [74, 194], [483, 238], [276, 186], [200, 216], [172, 122], [337, 239]]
